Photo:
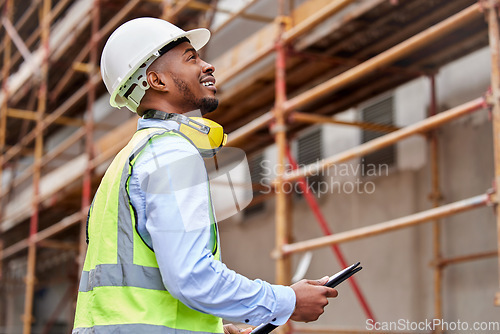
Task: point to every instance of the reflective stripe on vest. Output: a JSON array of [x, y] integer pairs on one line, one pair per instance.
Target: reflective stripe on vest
[[121, 275], [134, 329], [121, 290]]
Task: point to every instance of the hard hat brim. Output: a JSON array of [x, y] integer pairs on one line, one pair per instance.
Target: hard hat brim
[[198, 38]]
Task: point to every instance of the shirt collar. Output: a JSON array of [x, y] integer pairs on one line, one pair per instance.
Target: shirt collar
[[157, 123]]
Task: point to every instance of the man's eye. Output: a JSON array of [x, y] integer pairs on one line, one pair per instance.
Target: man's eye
[[191, 57]]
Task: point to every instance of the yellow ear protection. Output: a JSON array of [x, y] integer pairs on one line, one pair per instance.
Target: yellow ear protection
[[207, 135]]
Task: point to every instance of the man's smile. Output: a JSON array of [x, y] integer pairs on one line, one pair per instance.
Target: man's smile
[[208, 81]]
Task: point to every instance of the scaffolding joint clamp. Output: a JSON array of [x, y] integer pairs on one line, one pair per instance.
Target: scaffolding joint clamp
[[488, 98], [275, 128], [492, 200], [277, 254], [437, 263], [285, 20], [30, 280], [485, 5], [489, 102], [435, 195]]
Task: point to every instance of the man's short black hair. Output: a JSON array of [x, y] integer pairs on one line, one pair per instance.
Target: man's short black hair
[[172, 45]]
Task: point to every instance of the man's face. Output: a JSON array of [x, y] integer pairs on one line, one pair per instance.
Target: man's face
[[190, 79]]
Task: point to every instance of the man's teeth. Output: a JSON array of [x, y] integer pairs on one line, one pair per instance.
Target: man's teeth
[[206, 84]]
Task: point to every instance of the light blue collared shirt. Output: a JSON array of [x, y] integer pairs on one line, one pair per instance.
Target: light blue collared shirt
[[170, 193]]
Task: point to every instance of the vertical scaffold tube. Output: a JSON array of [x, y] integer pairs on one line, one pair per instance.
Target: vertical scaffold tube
[[435, 197], [494, 39], [41, 109], [283, 270]]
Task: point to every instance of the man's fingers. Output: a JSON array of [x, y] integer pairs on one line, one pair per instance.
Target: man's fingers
[[331, 293], [321, 281], [232, 329]]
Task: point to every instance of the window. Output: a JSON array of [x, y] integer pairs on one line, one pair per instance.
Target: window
[[380, 112], [310, 149]]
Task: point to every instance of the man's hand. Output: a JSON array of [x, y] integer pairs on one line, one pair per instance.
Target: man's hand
[[232, 329], [311, 299]]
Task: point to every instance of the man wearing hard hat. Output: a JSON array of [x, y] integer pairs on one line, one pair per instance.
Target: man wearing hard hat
[[153, 259]]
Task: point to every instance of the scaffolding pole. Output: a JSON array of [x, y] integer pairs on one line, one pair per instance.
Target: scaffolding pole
[[310, 118], [283, 268], [89, 130], [392, 225], [494, 39], [41, 109], [467, 258], [435, 197], [7, 13]]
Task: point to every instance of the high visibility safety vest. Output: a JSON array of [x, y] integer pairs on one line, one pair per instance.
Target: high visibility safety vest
[[121, 290]]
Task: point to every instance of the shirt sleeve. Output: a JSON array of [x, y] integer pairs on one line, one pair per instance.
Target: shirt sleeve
[[176, 206]]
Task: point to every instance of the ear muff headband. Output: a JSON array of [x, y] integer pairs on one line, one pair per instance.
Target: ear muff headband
[[207, 135]]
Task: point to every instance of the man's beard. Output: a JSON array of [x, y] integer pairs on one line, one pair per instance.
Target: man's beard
[[205, 104]]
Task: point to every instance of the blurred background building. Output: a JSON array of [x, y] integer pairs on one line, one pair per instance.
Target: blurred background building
[[389, 107]]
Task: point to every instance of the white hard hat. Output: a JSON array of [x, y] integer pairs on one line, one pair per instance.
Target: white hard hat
[[134, 44]]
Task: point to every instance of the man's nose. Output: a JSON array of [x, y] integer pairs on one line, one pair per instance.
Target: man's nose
[[207, 68]]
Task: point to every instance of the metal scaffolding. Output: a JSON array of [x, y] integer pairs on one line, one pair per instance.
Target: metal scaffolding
[[283, 116]]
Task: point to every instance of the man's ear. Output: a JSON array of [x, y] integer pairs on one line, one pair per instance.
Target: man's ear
[[157, 81]]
